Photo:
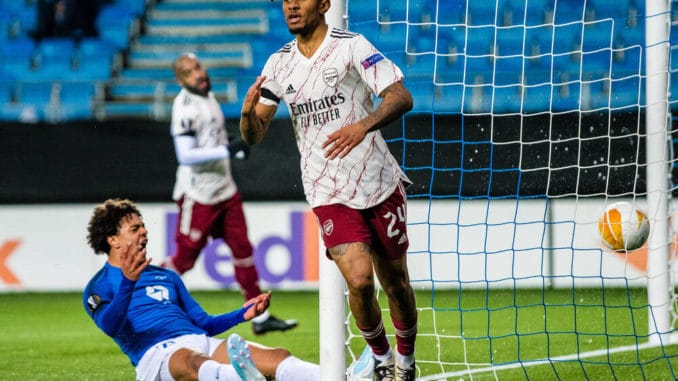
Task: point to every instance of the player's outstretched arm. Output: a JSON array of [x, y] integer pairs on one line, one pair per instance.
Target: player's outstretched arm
[[255, 117]]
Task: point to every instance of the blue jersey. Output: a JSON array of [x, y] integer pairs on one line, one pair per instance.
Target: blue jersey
[[157, 307]]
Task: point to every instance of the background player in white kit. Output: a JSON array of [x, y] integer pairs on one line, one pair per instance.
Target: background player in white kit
[[327, 78], [208, 198]]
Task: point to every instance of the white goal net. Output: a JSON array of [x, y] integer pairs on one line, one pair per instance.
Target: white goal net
[[531, 117]]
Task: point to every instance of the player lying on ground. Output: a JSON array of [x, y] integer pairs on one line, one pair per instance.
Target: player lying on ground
[[150, 314]]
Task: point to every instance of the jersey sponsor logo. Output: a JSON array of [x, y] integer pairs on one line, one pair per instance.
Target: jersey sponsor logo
[[330, 76], [328, 227], [93, 302], [290, 90], [159, 293], [371, 60], [315, 105], [317, 112]]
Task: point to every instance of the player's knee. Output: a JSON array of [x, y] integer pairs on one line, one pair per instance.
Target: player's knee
[[361, 286], [280, 354]]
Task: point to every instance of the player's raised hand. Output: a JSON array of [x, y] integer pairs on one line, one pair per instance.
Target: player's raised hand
[[341, 142], [133, 260], [257, 305], [252, 97]]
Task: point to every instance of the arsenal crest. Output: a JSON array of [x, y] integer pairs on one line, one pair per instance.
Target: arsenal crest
[[330, 76]]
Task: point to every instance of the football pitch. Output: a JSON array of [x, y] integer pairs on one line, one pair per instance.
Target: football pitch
[[48, 336]]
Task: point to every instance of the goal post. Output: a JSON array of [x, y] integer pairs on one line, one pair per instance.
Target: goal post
[[658, 124], [530, 117], [332, 303]]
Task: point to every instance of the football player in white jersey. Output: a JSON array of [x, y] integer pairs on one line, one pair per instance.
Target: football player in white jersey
[[208, 198], [327, 78]]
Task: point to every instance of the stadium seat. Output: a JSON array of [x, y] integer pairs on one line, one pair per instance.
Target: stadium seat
[[38, 94], [568, 11], [6, 22], [566, 96], [54, 58], [535, 12], [77, 100], [448, 99], [509, 41], [94, 59], [114, 24], [480, 41], [537, 98], [483, 13], [449, 12], [16, 57], [626, 92], [6, 91], [566, 38]]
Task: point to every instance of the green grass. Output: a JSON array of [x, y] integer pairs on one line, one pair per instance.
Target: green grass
[[48, 336]]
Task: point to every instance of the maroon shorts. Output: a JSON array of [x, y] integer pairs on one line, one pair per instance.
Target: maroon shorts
[[382, 227], [196, 222]]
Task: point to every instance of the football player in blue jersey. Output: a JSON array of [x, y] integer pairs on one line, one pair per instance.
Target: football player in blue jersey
[[150, 314]]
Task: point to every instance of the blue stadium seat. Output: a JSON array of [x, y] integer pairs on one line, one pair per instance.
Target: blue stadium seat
[[535, 11], [506, 99], [483, 13], [566, 37], [596, 64], [626, 92], [54, 59], [94, 59], [628, 61], [537, 98], [598, 35], [449, 12], [114, 23], [454, 37], [77, 100], [6, 91], [448, 99], [509, 41], [566, 96], [422, 95], [477, 99], [450, 69], [15, 111], [77, 92], [480, 41], [38, 94], [568, 11], [6, 22], [16, 57]]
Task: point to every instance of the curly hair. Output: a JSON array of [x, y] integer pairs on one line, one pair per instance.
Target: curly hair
[[105, 222]]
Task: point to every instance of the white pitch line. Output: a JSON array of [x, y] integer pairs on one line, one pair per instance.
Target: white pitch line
[[575, 356]]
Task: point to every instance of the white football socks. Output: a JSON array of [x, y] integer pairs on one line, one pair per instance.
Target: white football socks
[[294, 369], [211, 370]]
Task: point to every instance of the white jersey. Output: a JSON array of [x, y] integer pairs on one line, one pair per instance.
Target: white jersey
[[201, 117], [332, 89]]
